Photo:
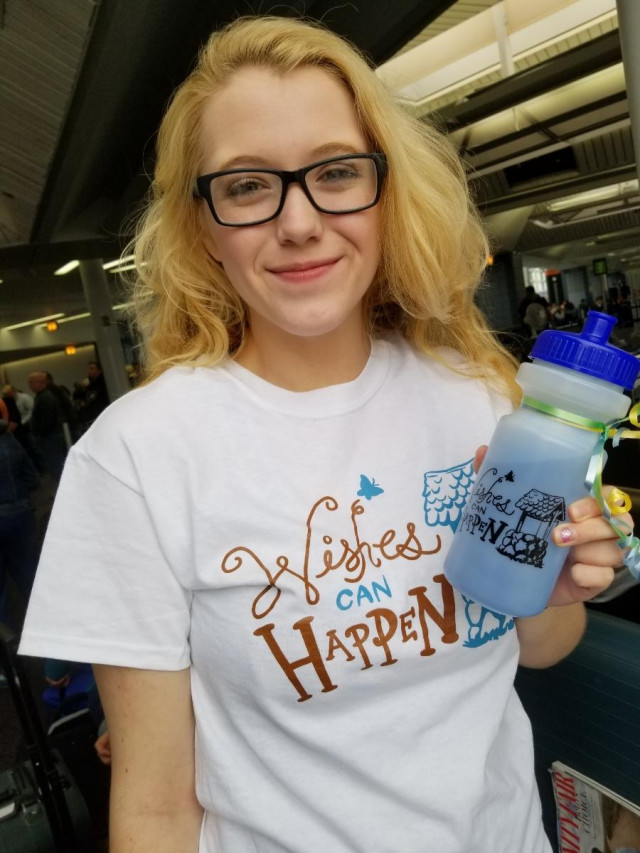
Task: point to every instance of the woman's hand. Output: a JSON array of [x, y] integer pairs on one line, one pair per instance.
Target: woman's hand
[[593, 551], [594, 554]]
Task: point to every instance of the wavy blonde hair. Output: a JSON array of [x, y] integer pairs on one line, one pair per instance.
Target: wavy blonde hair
[[434, 249]]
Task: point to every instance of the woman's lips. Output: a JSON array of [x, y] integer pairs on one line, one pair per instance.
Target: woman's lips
[[305, 271]]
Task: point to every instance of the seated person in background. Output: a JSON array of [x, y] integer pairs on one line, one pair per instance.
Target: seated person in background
[[530, 296], [536, 318]]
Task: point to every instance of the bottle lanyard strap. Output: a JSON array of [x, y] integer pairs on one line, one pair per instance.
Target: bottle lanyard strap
[[617, 501]]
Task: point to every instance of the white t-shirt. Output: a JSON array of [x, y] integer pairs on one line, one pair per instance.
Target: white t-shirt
[[289, 547]]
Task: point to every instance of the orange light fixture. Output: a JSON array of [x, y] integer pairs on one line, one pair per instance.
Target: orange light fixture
[[490, 260], [52, 326], [70, 349]]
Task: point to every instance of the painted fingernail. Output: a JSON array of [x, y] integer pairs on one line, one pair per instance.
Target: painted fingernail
[[566, 535]]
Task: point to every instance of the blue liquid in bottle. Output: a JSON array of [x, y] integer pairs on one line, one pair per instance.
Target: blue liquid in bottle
[[502, 555]]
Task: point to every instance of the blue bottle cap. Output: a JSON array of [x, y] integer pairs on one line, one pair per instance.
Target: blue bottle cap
[[589, 351]]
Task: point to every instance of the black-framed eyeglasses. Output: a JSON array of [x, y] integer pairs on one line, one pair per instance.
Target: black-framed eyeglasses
[[345, 184]]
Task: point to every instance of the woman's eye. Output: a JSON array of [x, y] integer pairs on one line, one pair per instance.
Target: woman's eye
[[245, 187], [338, 174]]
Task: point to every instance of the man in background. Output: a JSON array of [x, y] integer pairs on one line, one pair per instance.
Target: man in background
[[47, 431], [96, 397], [23, 401]]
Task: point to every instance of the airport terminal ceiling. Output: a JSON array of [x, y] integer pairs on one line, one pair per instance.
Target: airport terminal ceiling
[[534, 98]]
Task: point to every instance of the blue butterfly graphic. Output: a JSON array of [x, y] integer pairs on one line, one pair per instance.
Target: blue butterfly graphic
[[369, 488]]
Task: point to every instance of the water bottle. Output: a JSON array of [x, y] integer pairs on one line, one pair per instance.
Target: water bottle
[[502, 556]]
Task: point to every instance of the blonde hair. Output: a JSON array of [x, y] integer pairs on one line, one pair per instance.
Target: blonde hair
[[434, 249]]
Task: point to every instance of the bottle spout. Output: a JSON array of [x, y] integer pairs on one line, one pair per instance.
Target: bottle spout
[[597, 327], [589, 351]]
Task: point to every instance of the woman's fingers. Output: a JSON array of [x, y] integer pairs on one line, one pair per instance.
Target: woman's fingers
[[590, 535], [478, 459], [588, 507], [592, 579], [605, 553], [590, 531], [592, 541], [594, 553]]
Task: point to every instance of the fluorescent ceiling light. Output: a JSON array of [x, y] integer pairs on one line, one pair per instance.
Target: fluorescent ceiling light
[[33, 322], [590, 196], [88, 314], [72, 265], [117, 262], [74, 317], [123, 269]]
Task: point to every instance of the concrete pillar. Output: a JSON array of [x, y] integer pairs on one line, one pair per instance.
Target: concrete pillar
[[105, 327], [629, 30]]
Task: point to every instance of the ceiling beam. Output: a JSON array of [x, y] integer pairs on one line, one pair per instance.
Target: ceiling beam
[[559, 118], [568, 67], [557, 189]]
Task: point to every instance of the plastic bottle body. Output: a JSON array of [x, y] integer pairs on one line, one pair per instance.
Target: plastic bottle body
[[502, 556]]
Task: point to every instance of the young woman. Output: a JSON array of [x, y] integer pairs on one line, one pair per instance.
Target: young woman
[[249, 547]]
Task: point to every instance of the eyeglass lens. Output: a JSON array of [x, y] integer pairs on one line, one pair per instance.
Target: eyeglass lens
[[341, 186]]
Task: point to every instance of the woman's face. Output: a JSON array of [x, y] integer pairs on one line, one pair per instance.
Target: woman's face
[[304, 273]]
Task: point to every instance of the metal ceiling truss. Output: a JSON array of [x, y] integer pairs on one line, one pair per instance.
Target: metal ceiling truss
[[557, 189], [568, 67], [547, 127]]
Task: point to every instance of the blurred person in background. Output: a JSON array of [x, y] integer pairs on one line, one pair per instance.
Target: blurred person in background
[[18, 529], [95, 397], [47, 426]]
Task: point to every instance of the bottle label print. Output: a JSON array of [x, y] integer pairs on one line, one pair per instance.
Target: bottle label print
[[517, 524]]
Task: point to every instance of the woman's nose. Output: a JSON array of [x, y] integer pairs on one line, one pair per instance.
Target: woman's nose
[[298, 220]]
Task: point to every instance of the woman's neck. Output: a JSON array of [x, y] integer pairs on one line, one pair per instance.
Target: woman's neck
[[305, 364]]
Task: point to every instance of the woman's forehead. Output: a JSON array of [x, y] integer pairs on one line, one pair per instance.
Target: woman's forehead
[[261, 114]]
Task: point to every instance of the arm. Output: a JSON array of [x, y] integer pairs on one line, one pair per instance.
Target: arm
[[25, 408], [151, 725], [551, 635]]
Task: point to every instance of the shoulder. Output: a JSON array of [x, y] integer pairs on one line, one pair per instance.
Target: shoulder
[[164, 397], [156, 417], [456, 382], [443, 365]]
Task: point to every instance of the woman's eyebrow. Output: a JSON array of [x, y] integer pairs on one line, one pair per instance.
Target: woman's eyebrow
[[327, 150], [243, 160], [331, 148]]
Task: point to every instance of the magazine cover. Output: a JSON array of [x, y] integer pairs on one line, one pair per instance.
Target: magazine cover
[[591, 818]]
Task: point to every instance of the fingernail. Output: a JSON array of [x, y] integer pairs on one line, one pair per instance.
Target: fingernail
[[565, 535]]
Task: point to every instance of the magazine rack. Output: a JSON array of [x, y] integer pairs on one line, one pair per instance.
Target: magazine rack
[[585, 711]]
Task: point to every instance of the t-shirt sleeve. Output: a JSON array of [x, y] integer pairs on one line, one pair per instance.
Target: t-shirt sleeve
[[104, 590]]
